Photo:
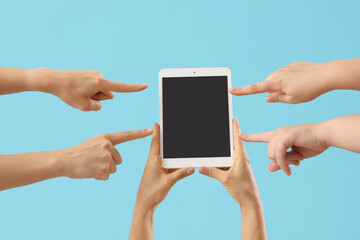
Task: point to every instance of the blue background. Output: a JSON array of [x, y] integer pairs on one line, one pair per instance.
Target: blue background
[[131, 41]]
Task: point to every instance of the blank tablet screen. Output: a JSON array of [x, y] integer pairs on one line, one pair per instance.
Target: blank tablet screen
[[195, 117]]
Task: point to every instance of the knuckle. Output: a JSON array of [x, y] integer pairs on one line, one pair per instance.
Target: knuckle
[[106, 144], [128, 134], [282, 129], [102, 136], [104, 169], [95, 73], [105, 156], [254, 86], [105, 178], [113, 170]]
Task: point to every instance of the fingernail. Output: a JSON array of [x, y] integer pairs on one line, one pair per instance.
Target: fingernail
[[190, 171], [231, 90], [237, 122], [148, 130], [241, 135], [202, 170], [270, 99]]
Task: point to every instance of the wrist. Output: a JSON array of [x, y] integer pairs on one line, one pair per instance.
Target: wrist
[[330, 80], [53, 162], [323, 132], [62, 163], [254, 203], [41, 79], [143, 205], [344, 74], [144, 212]]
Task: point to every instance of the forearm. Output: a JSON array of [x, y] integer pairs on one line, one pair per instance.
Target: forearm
[[252, 221], [24, 169], [345, 74], [142, 225], [13, 80], [343, 132]]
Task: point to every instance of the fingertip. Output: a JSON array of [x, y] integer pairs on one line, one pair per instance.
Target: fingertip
[[148, 131], [96, 106], [288, 171], [190, 171], [270, 99], [203, 170], [296, 163], [144, 86], [234, 91]]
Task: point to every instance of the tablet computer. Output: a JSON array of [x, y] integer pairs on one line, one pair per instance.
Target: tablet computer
[[195, 117]]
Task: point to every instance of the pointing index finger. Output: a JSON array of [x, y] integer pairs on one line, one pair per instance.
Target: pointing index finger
[[120, 137], [257, 137], [123, 87], [259, 87]]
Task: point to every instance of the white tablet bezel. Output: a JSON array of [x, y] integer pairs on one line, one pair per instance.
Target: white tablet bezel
[[198, 161]]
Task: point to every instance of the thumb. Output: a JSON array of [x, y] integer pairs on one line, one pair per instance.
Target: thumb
[[278, 97], [92, 105], [181, 173], [212, 172]]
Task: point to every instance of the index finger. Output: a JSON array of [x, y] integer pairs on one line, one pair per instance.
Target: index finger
[[257, 137], [259, 87], [123, 87], [120, 137]]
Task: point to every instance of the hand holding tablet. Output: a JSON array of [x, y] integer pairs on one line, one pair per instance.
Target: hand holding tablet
[[240, 183], [155, 184]]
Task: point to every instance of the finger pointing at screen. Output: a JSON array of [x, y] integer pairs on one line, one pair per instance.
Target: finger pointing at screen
[[95, 158], [305, 141]]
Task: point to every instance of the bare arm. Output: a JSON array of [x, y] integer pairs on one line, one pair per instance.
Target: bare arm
[[252, 221], [14, 80], [142, 224], [83, 90], [94, 158], [23, 169], [343, 132]]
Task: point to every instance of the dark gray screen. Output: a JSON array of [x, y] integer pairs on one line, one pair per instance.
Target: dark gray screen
[[195, 117]]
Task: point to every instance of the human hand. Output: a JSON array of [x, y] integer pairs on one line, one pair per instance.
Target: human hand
[[156, 181], [80, 89], [97, 157], [305, 141], [239, 179], [297, 82]]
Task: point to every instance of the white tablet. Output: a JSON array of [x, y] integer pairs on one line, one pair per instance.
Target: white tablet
[[195, 117]]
